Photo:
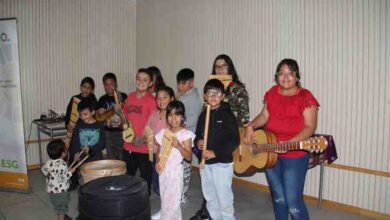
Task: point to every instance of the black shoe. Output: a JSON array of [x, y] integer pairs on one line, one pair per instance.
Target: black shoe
[[204, 213], [66, 217], [200, 215], [196, 217], [73, 186]]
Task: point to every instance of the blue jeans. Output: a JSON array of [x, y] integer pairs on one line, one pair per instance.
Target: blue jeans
[[217, 190], [287, 180]]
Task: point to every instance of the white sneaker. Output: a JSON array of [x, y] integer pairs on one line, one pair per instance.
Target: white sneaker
[[157, 216]]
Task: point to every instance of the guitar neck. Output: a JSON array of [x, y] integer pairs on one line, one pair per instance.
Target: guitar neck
[[286, 146], [121, 114], [123, 117]]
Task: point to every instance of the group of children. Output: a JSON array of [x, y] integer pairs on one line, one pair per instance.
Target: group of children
[[154, 105]]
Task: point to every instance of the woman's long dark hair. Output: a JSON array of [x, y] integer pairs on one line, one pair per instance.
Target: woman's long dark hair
[[231, 69]]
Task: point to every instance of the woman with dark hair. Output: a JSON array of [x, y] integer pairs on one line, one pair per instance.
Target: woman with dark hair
[[238, 99], [290, 112], [87, 86], [158, 81], [235, 93]]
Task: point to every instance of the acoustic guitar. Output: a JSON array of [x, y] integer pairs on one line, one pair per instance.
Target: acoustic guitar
[[128, 132], [105, 116], [261, 154]]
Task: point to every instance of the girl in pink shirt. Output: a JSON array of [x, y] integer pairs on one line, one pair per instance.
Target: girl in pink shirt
[[157, 121]]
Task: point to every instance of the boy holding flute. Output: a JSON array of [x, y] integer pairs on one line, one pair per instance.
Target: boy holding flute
[[222, 139]]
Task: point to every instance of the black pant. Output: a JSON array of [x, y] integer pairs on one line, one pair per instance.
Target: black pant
[[74, 179], [137, 160]]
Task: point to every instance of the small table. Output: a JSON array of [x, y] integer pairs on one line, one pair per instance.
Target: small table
[[52, 128], [329, 155]]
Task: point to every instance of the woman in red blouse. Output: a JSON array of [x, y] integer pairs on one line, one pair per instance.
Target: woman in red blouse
[[290, 112]]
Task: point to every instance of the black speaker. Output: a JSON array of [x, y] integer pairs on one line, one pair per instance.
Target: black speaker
[[114, 198]]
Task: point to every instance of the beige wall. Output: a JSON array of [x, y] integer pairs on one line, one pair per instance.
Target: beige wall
[[60, 42], [343, 48]]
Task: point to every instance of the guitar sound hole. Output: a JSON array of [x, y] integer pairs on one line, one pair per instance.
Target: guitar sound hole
[[253, 148]]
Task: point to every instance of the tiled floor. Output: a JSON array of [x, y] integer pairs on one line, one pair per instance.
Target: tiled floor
[[249, 204]]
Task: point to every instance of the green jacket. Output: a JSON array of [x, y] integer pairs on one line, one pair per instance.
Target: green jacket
[[237, 97]]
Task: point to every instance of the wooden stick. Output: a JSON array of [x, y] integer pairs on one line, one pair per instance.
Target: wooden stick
[[81, 153], [81, 162], [206, 134], [72, 165]]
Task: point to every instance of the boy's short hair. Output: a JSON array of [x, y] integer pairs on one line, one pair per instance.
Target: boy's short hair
[[214, 84], [109, 76], [88, 80], [85, 104], [185, 75], [55, 148], [147, 71]]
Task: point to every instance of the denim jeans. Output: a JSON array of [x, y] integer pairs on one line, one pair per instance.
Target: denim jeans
[[217, 190], [287, 180]]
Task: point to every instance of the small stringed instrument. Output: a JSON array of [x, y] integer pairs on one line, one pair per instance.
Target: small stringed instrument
[[105, 116], [128, 132], [74, 117], [261, 154], [167, 140]]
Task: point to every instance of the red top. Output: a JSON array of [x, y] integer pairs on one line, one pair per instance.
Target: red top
[[137, 111], [286, 115]]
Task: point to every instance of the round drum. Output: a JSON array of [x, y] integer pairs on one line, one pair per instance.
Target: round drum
[[114, 198], [101, 168]]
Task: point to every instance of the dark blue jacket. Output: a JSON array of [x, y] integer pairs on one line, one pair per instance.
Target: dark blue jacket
[[223, 136]]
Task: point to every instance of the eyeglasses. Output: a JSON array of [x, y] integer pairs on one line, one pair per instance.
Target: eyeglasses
[[289, 75], [214, 93], [223, 66]]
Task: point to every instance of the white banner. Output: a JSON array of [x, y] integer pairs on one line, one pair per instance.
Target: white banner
[[13, 168]]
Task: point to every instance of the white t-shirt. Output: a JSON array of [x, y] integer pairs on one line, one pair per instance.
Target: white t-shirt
[[57, 176], [182, 135]]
